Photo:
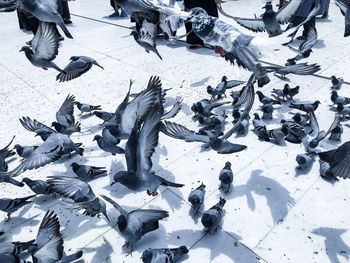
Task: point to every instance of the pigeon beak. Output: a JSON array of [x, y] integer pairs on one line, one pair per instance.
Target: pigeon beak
[[98, 65], [113, 183], [105, 214], [21, 50]]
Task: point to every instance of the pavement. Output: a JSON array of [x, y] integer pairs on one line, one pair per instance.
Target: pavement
[[273, 213]]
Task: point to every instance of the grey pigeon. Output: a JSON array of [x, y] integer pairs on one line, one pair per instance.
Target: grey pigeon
[[4, 154], [48, 246], [325, 172], [267, 110], [196, 197], [226, 178], [163, 255], [343, 111], [13, 248], [291, 92], [87, 108], [138, 154], [338, 159], [45, 12], [336, 83], [294, 132], [86, 172], [242, 126], [266, 99], [135, 224], [107, 145], [24, 151], [103, 115], [336, 99], [212, 218], [270, 20], [80, 192], [12, 205], [221, 88], [53, 148], [204, 107], [277, 135], [218, 144], [44, 47], [307, 107], [78, 66], [6, 178], [344, 6], [305, 160], [279, 94], [301, 119], [39, 187], [335, 134], [260, 128]]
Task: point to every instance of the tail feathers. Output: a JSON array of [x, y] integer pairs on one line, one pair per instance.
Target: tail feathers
[[65, 30], [179, 252], [167, 183], [157, 53], [73, 257], [58, 69], [347, 31], [15, 182], [149, 226], [21, 246]]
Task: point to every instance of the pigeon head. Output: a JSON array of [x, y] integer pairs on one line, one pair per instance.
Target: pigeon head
[[297, 117], [316, 103], [26, 49], [97, 138], [224, 78], [118, 175], [135, 34], [210, 89], [27, 180], [300, 159], [77, 103], [75, 166], [17, 147], [256, 116], [268, 6], [207, 221], [147, 256], [236, 114], [313, 144], [196, 15], [194, 107], [56, 125], [122, 222], [227, 165]]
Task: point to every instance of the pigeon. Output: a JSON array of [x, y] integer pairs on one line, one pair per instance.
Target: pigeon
[[129, 111], [325, 172], [107, 145], [13, 248], [11, 205], [343, 111], [307, 107], [295, 132], [338, 159], [277, 135], [135, 224], [305, 160], [242, 126], [65, 117], [80, 192], [280, 94], [221, 88], [163, 255], [260, 128], [267, 110], [344, 6], [146, 37], [336, 83], [86, 172], [219, 144], [4, 154], [45, 12], [48, 245], [44, 47], [196, 197], [78, 66], [291, 92], [53, 148], [267, 99], [301, 119], [212, 218], [305, 48], [270, 21], [39, 187], [87, 108], [103, 115], [138, 154], [204, 107], [226, 178], [336, 99], [335, 134], [24, 151], [6, 178]]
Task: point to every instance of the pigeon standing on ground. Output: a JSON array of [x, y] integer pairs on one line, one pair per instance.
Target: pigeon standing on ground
[[260, 128], [78, 66], [11, 205], [212, 218], [277, 135], [44, 47], [226, 178], [307, 107], [163, 255], [48, 246], [305, 160], [265, 99], [336, 83], [196, 197], [344, 6], [295, 132], [221, 88], [4, 154], [291, 92], [336, 133], [325, 172], [86, 172], [135, 224], [336, 99], [39, 187], [86, 108], [24, 151], [267, 110]]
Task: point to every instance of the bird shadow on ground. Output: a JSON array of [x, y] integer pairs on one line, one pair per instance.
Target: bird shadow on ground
[[11, 228], [196, 216], [102, 252], [334, 244], [200, 83]]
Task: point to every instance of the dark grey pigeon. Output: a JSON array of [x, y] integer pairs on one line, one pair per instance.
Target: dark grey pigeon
[[135, 224], [44, 47], [204, 107], [277, 135], [336, 133], [103, 115], [138, 154], [336, 83], [344, 6], [39, 187], [218, 144], [270, 20], [267, 99], [343, 111], [35, 126], [338, 159], [260, 128], [325, 172], [6, 178], [267, 110], [291, 92], [301, 119], [48, 246], [219, 91], [78, 66], [12, 205], [226, 178], [25, 151], [163, 255], [212, 218], [80, 192], [336, 99], [304, 160], [86, 172], [45, 11], [307, 107], [86, 108], [294, 132], [13, 248], [196, 197], [107, 145], [4, 154]]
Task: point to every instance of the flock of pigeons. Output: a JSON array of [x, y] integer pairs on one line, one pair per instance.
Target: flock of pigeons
[[140, 118]]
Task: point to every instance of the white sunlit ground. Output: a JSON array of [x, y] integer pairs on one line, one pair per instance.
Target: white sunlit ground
[[272, 214]]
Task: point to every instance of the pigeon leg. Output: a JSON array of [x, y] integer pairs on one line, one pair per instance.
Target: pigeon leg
[[8, 217], [126, 244]]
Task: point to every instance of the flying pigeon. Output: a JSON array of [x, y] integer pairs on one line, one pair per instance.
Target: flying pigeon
[[39, 187], [87, 108], [4, 154]]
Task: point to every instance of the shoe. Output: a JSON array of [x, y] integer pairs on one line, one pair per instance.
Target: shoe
[[123, 14], [195, 46], [67, 21], [325, 15], [113, 15]]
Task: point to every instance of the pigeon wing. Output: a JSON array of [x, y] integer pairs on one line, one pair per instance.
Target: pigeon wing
[[233, 83], [148, 33], [115, 205], [74, 69], [34, 125], [144, 216], [65, 113], [178, 131], [310, 41], [343, 5], [255, 25], [45, 43], [287, 12]]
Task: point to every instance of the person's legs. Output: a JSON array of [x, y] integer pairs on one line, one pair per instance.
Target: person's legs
[[65, 12]]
